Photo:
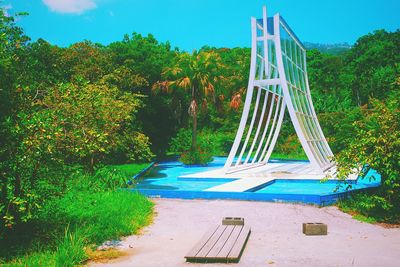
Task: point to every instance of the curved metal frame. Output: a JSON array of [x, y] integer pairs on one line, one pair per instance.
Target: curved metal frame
[[278, 73]]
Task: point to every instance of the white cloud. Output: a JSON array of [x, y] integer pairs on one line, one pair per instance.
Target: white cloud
[[70, 6], [5, 10]]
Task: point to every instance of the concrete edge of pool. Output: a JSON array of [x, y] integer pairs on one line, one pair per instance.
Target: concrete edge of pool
[[320, 200]]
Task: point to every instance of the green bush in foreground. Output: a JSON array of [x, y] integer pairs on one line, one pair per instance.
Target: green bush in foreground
[[80, 221], [363, 208], [102, 215], [376, 144], [89, 213]]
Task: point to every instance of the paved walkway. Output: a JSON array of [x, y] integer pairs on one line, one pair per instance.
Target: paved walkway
[[276, 238]]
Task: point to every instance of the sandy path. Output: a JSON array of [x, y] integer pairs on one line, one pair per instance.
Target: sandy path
[[276, 238]]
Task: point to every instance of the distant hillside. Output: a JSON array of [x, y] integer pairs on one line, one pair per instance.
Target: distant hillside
[[333, 49]]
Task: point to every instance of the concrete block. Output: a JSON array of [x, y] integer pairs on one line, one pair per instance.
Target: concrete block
[[315, 229], [232, 221]]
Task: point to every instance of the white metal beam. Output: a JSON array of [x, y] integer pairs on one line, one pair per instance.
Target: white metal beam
[[282, 78], [249, 95]]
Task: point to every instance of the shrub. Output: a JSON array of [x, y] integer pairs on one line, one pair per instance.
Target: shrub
[[199, 156], [182, 144], [224, 142], [89, 212], [376, 143], [182, 141], [291, 145], [132, 147], [371, 206], [70, 123]]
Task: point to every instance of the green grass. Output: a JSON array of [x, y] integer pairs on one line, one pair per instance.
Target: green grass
[[130, 169], [70, 249], [363, 218], [40, 258], [69, 227], [101, 215]]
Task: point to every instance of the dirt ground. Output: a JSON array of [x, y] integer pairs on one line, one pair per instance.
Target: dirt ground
[[276, 236]]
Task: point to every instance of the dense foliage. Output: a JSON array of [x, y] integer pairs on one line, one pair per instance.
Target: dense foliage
[[89, 105], [67, 229], [61, 107], [376, 144]]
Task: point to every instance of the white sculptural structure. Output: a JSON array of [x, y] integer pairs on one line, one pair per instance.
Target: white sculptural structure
[[278, 80]]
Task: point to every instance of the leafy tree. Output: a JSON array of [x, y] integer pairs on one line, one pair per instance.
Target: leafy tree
[[376, 144], [126, 80], [86, 119], [372, 61], [73, 123], [143, 55], [329, 82], [146, 57], [198, 74], [41, 65], [12, 44], [87, 60], [232, 87]]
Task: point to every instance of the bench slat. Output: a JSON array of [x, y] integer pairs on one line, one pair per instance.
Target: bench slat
[[221, 242], [211, 242], [230, 242], [238, 247], [193, 252]]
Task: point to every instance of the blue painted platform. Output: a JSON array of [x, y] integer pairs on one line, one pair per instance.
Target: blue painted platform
[[170, 180]]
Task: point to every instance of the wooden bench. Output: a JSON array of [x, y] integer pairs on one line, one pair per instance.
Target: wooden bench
[[223, 243]]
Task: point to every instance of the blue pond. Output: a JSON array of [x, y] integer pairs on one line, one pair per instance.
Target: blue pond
[[164, 180]]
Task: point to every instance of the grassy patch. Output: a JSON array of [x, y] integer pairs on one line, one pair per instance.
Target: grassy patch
[[105, 255], [129, 170], [363, 218], [69, 227], [103, 215], [40, 258], [70, 249]]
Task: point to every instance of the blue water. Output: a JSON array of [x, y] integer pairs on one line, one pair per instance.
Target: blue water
[[165, 176]]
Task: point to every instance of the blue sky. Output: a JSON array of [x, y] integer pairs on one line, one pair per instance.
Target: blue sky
[[190, 24]]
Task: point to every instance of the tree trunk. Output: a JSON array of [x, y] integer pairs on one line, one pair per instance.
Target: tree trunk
[[193, 111], [91, 164], [194, 130]]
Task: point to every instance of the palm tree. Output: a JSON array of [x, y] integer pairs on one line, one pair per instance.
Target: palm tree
[[196, 73]]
